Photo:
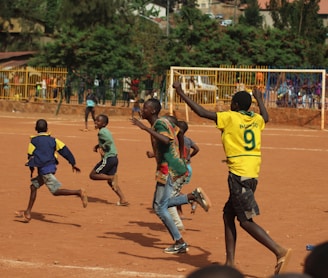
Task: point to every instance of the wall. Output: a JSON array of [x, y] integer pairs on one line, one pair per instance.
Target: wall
[[278, 116]]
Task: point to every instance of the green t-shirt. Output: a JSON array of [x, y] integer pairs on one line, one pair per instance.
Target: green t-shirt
[[106, 142]]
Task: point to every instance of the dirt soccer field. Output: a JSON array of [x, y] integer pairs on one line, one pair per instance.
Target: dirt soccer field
[[64, 239]]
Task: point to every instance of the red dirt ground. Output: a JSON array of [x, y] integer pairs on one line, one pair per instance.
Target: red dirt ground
[[104, 240]]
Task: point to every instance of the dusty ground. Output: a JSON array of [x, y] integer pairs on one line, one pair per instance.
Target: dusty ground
[[104, 240]]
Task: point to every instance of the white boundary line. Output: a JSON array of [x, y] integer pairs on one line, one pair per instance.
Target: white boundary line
[[99, 270]]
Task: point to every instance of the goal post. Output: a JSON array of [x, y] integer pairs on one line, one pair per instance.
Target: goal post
[[294, 88]]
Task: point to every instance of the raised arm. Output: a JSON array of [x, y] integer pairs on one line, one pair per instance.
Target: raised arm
[[162, 138], [199, 110], [258, 96]]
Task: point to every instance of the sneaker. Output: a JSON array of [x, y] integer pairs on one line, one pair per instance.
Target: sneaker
[[177, 248], [201, 198]]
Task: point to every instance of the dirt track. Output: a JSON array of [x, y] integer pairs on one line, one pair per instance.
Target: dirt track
[[104, 240]]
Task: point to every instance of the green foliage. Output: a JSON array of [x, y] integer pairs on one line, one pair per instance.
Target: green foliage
[[252, 15], [84, 14], [300, 17], [106, 37], [103, 51]]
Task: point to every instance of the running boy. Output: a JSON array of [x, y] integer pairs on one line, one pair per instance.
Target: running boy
[[170, 168], [106, 168], [190, 149], [241, 139], [41, 154]]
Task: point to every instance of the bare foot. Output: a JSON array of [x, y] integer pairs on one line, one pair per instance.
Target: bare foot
[[84, 197]]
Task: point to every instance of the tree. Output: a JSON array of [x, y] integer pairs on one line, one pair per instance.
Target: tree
[[300, 16], [87, 15], [106, 36], [252, 15]]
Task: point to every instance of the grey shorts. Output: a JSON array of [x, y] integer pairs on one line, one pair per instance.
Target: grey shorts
[[241, 202], [49, 180]]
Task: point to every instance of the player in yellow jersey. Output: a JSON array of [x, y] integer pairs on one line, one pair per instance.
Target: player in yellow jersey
[[241, 139]]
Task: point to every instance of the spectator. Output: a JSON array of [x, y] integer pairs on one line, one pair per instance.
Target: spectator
[[149, 86], [68, 89], [126, 91], [316, 263], [113, 84], [135, 87], [102, 90]]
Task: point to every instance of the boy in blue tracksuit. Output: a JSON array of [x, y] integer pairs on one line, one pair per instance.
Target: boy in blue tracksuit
[[42, 155]]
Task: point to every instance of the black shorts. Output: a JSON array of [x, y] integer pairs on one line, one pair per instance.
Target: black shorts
[[241, 202], [107, 166]]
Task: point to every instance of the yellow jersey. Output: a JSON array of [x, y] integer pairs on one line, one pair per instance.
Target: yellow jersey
[[241, 139]]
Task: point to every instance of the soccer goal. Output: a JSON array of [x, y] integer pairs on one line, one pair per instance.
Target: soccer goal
[[292, 88]]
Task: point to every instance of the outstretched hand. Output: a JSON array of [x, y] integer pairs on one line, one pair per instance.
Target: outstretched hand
[[76, 169], [150, 154], [95, 148], [138, 123], [257, 93], [177, 85]]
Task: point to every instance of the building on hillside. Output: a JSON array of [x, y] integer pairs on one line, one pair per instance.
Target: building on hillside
[[17, 25], [232, 9]]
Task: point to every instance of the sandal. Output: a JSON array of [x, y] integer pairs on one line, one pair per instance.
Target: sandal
[[282, 262]]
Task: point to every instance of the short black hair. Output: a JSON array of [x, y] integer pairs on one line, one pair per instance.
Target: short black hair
[[104, 118], [41, 125], [243, 99], [155, 104]]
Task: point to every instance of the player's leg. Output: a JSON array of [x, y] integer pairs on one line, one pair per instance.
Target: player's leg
[[161, 199], [230, 235], [27, 213], [115, 187], [36, 183], [176, 218], [54, 187], [245, 206], [106, 169], [258, 233], [112, 163]]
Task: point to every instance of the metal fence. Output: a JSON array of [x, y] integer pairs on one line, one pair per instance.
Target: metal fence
[[50, 85], [27, 83], [204, 85], [294, 88]]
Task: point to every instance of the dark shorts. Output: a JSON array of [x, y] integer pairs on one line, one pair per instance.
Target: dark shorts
[[107, 166], [241, 202]]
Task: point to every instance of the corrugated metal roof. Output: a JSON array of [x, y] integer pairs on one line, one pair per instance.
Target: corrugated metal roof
[[8, 55], [323, 5], [13, 63]]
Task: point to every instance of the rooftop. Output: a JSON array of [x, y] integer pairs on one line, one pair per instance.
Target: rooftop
[[323, 4]]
